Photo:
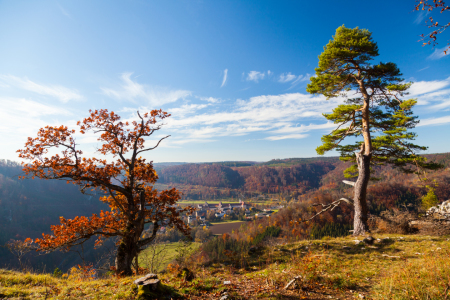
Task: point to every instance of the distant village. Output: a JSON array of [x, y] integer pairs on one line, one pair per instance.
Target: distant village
[[241, 211]]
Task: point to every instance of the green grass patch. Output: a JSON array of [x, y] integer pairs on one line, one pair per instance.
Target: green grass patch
[[167, 253], [227, 221]]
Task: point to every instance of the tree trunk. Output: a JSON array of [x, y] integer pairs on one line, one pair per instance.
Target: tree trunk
[[360, 226], [126, 252]]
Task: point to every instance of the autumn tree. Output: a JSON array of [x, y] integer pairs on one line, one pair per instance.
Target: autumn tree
[[373, 113], [436, 27], [121, 174]]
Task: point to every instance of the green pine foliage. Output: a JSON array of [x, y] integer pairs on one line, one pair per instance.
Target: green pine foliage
[[346, 69]]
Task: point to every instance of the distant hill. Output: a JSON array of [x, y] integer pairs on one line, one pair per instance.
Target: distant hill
[[298, 161], [211, 175], [247, 176]]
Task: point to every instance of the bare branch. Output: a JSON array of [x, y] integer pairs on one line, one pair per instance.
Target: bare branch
[[153, 147], [349, 182], [329, 207]]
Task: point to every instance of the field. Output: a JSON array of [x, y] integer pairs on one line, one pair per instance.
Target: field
[[226, 221], [161, 255], [397, 267], [221, 228]]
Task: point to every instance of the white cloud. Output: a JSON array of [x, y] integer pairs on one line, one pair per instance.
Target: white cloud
[[210, 99], [60, 92], [255, 76], [22, 118], [288, 136], [423, 69], [439, 53], [434, 94], [434, 121], [186, 109], [225, 75], [424, 87], [273, 114], [286, 77], [29, 108], [131, 91]]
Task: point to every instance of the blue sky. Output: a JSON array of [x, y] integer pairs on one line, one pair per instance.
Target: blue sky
[[233, 74]]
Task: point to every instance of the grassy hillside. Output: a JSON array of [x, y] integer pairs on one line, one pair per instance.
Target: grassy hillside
[[397, 267]]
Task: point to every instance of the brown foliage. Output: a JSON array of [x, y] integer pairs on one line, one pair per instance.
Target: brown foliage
[[437, 28]]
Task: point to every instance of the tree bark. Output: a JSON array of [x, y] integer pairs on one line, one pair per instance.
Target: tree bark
[[360, 226], [126, 252]]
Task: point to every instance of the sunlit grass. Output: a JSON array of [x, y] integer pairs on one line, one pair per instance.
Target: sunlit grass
[[402, 267]]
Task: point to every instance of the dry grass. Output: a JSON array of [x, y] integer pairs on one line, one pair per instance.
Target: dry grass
[[15, 285], [404, 267]]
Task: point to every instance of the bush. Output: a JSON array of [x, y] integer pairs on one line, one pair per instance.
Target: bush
[[225, 248], [57, 273], [430, 199], [270, 231]]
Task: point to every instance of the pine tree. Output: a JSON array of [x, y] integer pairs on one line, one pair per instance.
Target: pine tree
[[377, 117]]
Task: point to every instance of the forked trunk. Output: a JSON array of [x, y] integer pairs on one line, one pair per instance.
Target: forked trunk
[[360, 225]]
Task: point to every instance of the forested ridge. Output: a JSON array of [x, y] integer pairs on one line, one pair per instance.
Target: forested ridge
[[291, 177]]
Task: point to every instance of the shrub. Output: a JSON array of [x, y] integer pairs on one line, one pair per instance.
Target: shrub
[[430, 199], [270, 231]]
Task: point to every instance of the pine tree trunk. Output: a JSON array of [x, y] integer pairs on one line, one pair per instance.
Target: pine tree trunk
[[360, 226]]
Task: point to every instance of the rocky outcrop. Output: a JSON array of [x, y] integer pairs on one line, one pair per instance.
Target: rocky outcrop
[[442, 211]]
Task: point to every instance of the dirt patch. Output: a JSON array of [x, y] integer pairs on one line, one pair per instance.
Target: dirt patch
[[225, 227]]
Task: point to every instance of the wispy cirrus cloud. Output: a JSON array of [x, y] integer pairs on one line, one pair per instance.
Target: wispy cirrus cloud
[[421, 16], [439, 53], [210, 99], [286, 77], [63, 11], [225, 76], [62, 93], [274, 115], [132, 91], [255, 76], [435, 94], [434, 121], [284, 116]]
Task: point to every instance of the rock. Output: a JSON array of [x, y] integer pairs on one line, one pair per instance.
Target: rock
[[141, 280], [361, 296], [224, 297], [441, 210], [368, 240], [357, 242], [148, 289], [227, 282]]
